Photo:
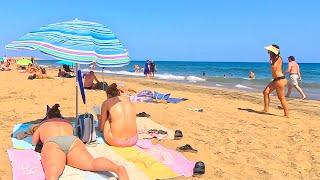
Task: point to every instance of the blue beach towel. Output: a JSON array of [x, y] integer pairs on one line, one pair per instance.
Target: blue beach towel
[[176, 100], [159, 96]]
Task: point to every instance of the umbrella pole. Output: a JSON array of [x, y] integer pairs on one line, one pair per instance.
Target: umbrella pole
[[77, 91]]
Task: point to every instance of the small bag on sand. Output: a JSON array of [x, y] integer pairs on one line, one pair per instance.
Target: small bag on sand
[[102, 86], [84, 128]]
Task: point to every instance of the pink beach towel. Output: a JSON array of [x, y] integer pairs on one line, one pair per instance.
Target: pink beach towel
[[173, 159], [26, 164]]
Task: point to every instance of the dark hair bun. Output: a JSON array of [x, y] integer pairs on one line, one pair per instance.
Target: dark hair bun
[[113, 90]]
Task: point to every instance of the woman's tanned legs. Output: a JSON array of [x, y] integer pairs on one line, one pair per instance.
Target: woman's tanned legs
[[280, 88], [266, 96], [53, 160], [80, 158]]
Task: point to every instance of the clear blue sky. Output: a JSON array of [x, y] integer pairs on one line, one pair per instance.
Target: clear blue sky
[[203, 30]]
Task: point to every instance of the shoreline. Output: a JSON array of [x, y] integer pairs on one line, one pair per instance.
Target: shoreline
[[197, 84]]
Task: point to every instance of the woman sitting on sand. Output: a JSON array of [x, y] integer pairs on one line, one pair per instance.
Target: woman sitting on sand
[[118, 119], [43, 74], [279, 80], [31, 69], [60, 147]]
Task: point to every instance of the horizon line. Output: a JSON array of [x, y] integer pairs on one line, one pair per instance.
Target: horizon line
[[201, 61]]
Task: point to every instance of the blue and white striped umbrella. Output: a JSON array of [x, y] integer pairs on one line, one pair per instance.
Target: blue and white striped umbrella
[[76, 41], [65, 63]]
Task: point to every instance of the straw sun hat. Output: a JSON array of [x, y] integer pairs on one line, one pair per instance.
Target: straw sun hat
[[272, 49]]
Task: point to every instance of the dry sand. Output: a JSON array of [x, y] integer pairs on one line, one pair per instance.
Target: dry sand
[[234, 139]]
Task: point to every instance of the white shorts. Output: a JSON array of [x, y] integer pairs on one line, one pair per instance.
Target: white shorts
[[294, 78]]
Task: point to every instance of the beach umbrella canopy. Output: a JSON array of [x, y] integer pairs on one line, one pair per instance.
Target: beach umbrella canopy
[[1, 59], [66, 63], [23, 62], [80, 42]]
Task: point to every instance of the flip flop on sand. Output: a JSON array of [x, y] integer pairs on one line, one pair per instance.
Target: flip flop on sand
[[186, 148], [143, 114], [199, 168], [178, 135]]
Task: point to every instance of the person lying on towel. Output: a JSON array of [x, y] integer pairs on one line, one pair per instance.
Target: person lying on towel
[[60, 147], [118, 119]]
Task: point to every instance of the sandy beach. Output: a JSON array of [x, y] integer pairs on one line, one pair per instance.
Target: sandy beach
[[233, 138]]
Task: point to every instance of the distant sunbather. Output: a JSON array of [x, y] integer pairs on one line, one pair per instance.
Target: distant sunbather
[[61, 148], [118, 119], [64, 74], [67, 68]]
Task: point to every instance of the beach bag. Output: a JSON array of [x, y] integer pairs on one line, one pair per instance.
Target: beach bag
[[84, 128], [102, 86]]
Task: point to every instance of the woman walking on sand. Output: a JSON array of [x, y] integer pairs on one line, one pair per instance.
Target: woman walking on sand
[[295, 76], [279, 80]]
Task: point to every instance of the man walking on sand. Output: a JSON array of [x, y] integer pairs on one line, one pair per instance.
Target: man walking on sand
[[295, 76]]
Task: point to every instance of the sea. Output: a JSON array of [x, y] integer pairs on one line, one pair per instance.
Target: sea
[[229, 75]]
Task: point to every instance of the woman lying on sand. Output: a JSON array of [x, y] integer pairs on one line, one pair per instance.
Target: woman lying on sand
[[279, 80], [60, 147], [121, 128], [5, 66], [41, 75]]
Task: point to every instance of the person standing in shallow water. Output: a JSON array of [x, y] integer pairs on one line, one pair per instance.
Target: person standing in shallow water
[[147, 69], [279, 80], [295, 76]]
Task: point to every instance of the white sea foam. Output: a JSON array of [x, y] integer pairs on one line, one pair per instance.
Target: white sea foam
[[170, 77], [157, 76], [242, 86], [194, 79], [219, 85]]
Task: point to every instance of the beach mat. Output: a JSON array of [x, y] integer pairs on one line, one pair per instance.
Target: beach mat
[[176, 161], [25, 164]]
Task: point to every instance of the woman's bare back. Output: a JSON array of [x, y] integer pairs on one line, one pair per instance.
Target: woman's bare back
[[122, 117]]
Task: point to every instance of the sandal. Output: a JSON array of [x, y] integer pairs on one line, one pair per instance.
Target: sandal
[[143, 114], [162, 132], [199, 168], [153, 131], [186, 148], [178, 135]]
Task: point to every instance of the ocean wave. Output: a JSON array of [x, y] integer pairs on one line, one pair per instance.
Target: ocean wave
[[242, 86], [194, 79]]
